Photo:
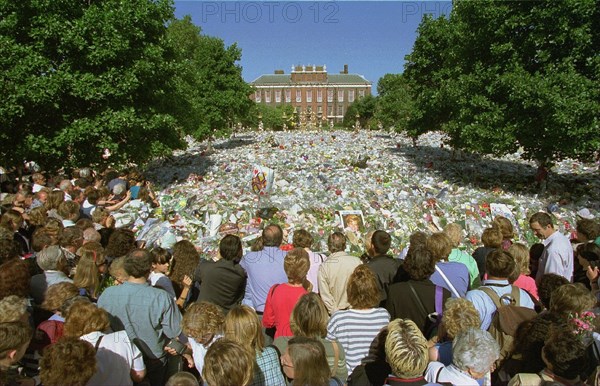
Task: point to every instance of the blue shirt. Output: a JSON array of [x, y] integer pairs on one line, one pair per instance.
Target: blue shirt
[[485, 305], [264, 269], [457, 274]]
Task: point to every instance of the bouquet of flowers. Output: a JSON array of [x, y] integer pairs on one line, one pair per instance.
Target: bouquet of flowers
[[582, 324]]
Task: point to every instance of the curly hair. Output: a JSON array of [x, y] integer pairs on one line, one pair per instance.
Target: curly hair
[[11, 220], [42, 238], [71, 237], [296, 265], [419, 263], [69, 210], [242, 326], [363, 290], [548, 283], [571, 298], [565, 353], [440, 246], [185, 260], [228, 363], [309, 317], [14, 278], [13, 308], [58, 294], [13, 336], [69, 361], [459, 314], [9, 249], [506, 227], [406, 349], [84, 318], [202, 318], [38, 216]]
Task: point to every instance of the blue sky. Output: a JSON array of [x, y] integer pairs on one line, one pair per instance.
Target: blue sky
[[372, 37]]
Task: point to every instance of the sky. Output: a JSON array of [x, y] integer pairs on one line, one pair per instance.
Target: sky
[[371, 37]]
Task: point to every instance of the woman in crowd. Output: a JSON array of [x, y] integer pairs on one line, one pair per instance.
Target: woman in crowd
[[303, 239], [68, 362], [309, 319], [120, 362], [228, 363], [507, 229], [357, 327], [304, 362], [53, 262], [282, 298], [184, 264], [455, 233], [520, 278], [451, 275], [406, 352], [160, 268], [242, 326], [91, 270], [492, 240]]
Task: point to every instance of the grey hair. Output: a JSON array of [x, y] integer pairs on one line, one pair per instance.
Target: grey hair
[[119, 189], [85, 172], [49, 258], [65, 185], [475, 349]]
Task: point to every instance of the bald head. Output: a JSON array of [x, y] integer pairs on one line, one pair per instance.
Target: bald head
[[272, 235]]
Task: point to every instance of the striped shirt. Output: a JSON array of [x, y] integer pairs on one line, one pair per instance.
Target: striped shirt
[[355, 330]]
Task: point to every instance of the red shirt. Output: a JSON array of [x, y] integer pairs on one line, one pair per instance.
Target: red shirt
[[280, 302]]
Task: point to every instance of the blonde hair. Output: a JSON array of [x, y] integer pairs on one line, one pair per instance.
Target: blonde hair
[[242, 326], [521, 255], [454, 233], [12, 308], [87, 274], [571, 298], [117, 269], [58, 294], [202, 318], [505, 226], [459, 314], [406, 349], [439, 245]]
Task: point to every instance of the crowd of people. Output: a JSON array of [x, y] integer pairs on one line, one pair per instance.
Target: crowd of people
[[82, 302]]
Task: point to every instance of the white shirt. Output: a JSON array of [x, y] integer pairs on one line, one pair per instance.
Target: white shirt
[[437, 372], [557, 257], [116, 357], [199, 351]]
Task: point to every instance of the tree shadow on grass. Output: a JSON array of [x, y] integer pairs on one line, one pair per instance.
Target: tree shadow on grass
[[483, 172]]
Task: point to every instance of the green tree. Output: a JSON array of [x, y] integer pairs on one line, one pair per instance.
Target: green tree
[[512, 74], [81, 76], [213, 95], [272, 117], [365, 108], [394, 104]]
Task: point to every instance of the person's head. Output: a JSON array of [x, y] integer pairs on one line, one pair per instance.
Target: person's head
[[417, 238], [230, 248], [499, 264], [42, 238], [570, 299], [51, 258], [202, 321], [69, 210], [182, 378], [474, 351], [58, 295], [42, 196], [296, 264], [14, 278], [455, 233], [302, 239], [272, 235], [548, 283], [14, 339], [70, 361], [117, 270], [38, 216], [419, 262], [564, 354], [228, 363], [305, 362], [91, 235], [587, 230], [440, 246], [54, 227], [9, 249], [541, 225], [492, 237], [38, 178], [459, 314], [55, 198], [66, 186], [83, 318], [91, 265], [370, 252], [13, 308], [138, 263], [587, 252], [352, 222], [242, 326], [185, 260], [381, 242], [119, 189], [120, 242], [161, 258], [71, 238], [336, 242], [406, 349], [505, 226], [363, 289], [11, 220], [309, 317], [520, 253]]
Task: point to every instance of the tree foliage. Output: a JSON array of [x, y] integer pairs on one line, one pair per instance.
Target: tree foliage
[[78, 77], [498, 76], [394, 104], [213, 94], [272, 117], [365, 108]]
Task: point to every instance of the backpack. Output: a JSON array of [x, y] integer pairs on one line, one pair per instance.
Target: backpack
[[507, 319]]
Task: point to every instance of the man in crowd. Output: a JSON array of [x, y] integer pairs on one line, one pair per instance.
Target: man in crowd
[[558, 254]]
